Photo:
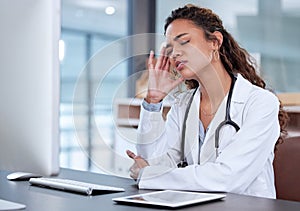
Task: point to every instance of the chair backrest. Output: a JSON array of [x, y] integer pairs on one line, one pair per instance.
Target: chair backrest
[[287, 169]]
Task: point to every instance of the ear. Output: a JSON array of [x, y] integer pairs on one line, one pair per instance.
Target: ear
[[219, 40]]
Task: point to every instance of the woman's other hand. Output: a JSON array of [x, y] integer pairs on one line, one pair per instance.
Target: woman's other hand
[[139, 163]]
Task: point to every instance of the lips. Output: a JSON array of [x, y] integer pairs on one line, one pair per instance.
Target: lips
[[179, 65]]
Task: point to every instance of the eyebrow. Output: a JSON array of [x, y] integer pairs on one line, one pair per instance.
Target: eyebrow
[[176, 38]]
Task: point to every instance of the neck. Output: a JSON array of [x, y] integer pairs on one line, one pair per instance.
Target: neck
[[215, 84]]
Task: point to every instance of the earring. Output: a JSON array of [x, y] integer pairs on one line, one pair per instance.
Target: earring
[[216, 55]]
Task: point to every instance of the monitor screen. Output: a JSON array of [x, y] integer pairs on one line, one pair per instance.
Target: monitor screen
[[29, 86]]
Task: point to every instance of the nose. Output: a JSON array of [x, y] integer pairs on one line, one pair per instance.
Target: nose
[[176, 53]]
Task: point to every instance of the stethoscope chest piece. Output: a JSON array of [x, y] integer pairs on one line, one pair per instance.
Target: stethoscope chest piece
[[182, 164]]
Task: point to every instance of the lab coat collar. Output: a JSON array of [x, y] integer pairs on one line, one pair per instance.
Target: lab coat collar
[[241, 90]]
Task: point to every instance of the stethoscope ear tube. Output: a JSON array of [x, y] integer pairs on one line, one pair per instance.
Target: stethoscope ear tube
[[227, 120], [217, 133], [183, 163]]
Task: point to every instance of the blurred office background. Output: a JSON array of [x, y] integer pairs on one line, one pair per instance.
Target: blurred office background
[[96, 68]]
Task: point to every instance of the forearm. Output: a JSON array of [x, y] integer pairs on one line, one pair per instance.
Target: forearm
[[158, 138], [150, 129]]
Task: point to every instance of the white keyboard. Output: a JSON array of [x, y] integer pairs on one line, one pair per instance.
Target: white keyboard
[[73, 185]]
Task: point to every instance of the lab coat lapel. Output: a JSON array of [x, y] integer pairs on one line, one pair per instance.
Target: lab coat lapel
[[208, 148], [192, 131], [237, 103]]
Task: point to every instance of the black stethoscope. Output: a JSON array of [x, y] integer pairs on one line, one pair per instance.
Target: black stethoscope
[[183, 163]]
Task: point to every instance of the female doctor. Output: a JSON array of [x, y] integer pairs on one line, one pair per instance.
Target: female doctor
[[220, 134]]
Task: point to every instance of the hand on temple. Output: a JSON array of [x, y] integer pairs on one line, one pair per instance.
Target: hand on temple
[[161, 80]]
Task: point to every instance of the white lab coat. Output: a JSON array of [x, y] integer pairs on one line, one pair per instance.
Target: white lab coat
[[244, 164]]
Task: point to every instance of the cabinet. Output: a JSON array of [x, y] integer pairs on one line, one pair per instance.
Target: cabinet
[[127, 111]]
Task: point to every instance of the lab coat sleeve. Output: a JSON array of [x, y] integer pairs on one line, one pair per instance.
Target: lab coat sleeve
[[158, 140], [240, 161]]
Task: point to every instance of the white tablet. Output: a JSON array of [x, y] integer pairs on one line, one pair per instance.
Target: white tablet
[[9, 205], [169, 198]]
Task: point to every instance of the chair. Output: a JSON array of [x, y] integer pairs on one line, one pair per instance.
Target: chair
[[287, 169]]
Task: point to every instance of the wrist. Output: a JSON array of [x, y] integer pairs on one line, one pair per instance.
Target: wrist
[[153, 100], [152, 107]]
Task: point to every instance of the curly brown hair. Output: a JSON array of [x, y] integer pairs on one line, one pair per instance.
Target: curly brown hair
[[234, 58]]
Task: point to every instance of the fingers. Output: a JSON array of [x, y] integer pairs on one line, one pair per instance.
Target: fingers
[[134, 172], [160, 59], [136, 168], [130, 154], [167, 64], [138, 157], [177, 81], [139, 163], [151, 60], [163, 62]]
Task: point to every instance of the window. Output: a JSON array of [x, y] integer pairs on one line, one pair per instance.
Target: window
[[87, 30]]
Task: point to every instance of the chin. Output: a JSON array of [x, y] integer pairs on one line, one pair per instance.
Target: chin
[[188, 74]]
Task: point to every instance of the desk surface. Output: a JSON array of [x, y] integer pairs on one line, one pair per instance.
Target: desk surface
[[37, 198]]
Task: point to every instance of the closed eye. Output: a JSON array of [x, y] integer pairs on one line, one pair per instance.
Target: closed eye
[[183, 42]]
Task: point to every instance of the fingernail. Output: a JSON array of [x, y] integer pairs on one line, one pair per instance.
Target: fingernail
[[163, 45]]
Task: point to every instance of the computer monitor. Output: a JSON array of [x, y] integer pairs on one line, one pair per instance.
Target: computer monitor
[[29, 86]]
